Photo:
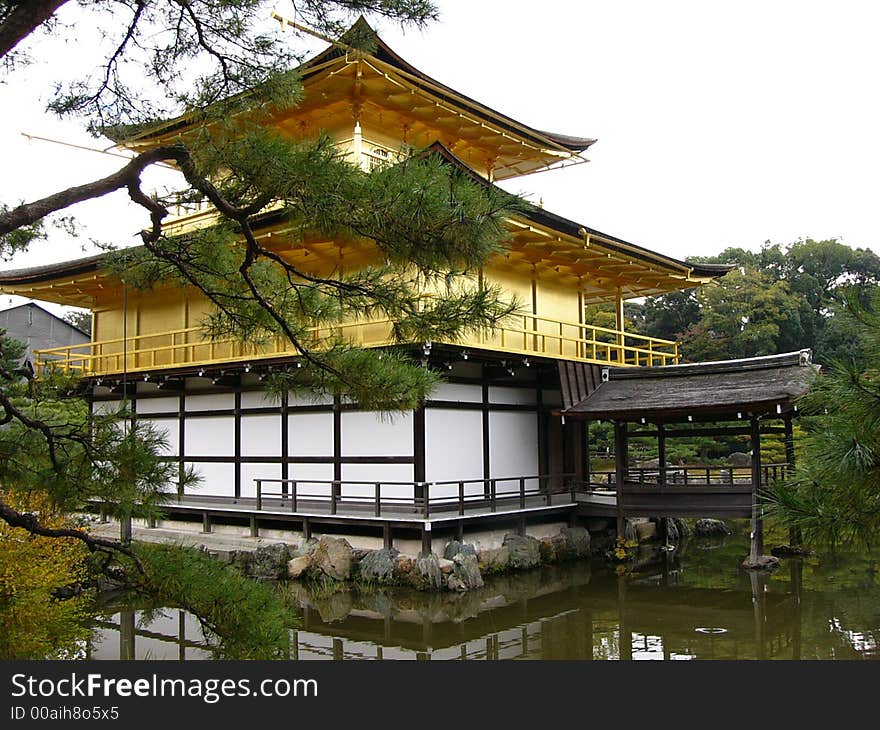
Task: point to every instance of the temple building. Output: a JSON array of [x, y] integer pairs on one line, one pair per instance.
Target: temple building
[[491, 421]]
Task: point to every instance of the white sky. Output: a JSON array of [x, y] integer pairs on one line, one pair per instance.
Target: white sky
[[719, 124]]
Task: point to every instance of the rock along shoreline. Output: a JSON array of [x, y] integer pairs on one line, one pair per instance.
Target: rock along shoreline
[[462, 567]]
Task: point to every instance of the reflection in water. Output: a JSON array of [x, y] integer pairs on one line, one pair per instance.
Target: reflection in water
[[694, 603]]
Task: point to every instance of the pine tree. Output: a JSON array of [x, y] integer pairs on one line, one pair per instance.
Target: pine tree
[[834, 497], [432, 226]]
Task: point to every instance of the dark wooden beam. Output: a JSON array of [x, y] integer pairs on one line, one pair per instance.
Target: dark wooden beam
[[708, 431]]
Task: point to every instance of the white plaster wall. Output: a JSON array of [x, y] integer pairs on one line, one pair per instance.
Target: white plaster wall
[[514, 396], [106, 406], [306, 472], [259, 399], [453, 448], [261, 435], [167, 427], [250, 472], [157, 405], [310, 434], [364, 433], [460, 392], [218, 480], [210, 402], [378, 473], [308, 399], [513, 445], [210, 436]]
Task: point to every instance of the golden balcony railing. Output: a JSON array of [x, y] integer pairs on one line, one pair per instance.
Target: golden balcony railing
[[526, 335]]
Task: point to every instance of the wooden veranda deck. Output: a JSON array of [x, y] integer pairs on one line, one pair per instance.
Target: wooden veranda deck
[[427, 507]]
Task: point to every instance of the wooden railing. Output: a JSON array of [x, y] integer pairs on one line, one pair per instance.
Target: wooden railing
[[425, 499], [683, 476], [521, 334]]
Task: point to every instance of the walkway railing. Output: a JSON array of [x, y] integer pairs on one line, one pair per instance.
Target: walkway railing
[[521, 334], [425, 499], [684, 476]]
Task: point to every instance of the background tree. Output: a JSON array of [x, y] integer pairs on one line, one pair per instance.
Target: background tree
[[11, 352], [745, 315], [80, 319], [668, 316], [782, 298]]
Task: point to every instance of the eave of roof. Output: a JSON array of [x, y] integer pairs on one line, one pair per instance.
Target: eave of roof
[[37, 274], [578, 230], [529, 212]]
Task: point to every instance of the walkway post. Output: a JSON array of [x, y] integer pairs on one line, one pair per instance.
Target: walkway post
[[588, 468], [621, 459], [661, 454], [794, 534], [757, 541]]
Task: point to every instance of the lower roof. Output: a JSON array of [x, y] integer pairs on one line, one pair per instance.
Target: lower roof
[[725, 388]]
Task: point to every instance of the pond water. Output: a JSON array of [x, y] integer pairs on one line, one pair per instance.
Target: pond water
[[694, 603]]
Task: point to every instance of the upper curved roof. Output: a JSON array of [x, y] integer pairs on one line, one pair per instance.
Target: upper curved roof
[[442, 112], [382, 51]]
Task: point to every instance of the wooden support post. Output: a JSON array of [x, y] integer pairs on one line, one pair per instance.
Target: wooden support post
[[307, 529], [789, 444], [426, 538], [621, 460], [255, 528], [794, 534], [587, 466], [757, 541], [126, 636], [521, 526], [661, 454], [206, 522], [387, 539], [578, 450], [619, 322], [459, 531]]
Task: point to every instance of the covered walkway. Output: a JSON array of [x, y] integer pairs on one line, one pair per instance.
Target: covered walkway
[[748, 397]]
